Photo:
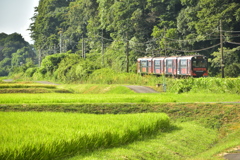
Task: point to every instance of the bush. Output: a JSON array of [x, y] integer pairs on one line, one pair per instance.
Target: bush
[[30, 71], [215, 85]]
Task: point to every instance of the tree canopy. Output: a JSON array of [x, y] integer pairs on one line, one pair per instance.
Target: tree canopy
[[14, 52], [116, 32]]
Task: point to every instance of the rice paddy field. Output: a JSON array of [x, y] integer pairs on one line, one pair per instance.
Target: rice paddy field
[[115, 98], [128, 125], [47, 135]]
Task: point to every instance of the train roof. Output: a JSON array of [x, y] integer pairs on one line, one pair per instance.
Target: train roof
[[172, 57], [155, 58], [145, 58]]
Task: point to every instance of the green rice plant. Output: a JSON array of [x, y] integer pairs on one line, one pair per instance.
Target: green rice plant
[[33, 85], [49, 135], [60, 98], [24, 90]]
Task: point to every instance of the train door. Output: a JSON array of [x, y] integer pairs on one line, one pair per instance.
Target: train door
[[183, 67], [149, 68], [169, 66], [157, 67], [143, 66]]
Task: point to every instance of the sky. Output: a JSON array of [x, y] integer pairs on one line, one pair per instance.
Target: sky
[[15, 16]]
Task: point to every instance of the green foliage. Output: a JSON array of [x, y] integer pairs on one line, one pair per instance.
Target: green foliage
[[110, 76], [5, 66], [66, 67], [152, 27], [231, 61], [30, 71], [50, 64], [205, 85], [73, 68], [58, 135], [185, 134], [14, 52]]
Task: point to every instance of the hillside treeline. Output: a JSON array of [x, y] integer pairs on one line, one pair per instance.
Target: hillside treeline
[[16, 55], [114, 33]]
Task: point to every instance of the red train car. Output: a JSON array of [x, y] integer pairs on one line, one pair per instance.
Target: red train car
[[158, 65], [171, 66], [195, 66], [145, 65]]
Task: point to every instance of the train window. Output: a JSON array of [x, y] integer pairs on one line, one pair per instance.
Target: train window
[[157, 63], [169, 63], [143, 63], [183, 63], [198, 63]]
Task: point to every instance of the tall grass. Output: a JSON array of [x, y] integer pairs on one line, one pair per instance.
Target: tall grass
[[32, 135], [109, 76], [205, 85], [210, 84]]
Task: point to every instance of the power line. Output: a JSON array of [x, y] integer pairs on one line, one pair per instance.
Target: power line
[[233, 43], [190, 40], [194, 50], [231, 31]]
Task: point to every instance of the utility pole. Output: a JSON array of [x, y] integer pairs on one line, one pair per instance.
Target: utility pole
[[165, 48], [221, 45], [39, 57], [102, 49], [83, 47], [60, 42], [127, 42], [127, 53]]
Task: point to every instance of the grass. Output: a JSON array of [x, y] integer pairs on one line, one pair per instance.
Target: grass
[[215, 125], [95, 88], [180, 143], [47, 135], [184, 103], [31, 85], [116, 98], [224, 144]]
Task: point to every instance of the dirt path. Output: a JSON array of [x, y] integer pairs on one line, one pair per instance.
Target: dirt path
[[233, 155], [7, 80], [141, 89]]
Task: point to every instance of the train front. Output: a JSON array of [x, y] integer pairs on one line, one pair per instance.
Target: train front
[[199, 66]]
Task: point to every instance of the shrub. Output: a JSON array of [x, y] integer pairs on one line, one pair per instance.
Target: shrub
[[30, 71]]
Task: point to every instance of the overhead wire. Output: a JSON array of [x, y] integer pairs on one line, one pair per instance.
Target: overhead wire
[[178, 40], [231, 31], [198, 50], [233, 43]]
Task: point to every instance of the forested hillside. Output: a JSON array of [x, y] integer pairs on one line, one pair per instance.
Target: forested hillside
[[15, 54], [114, 33]]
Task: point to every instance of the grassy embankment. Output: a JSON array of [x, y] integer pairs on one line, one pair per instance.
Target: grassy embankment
[[216, 125]]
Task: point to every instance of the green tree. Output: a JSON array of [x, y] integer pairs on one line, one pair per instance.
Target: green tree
[[14, 51], [231, 61]]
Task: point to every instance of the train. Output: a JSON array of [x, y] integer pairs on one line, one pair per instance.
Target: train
[[175, 66]]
